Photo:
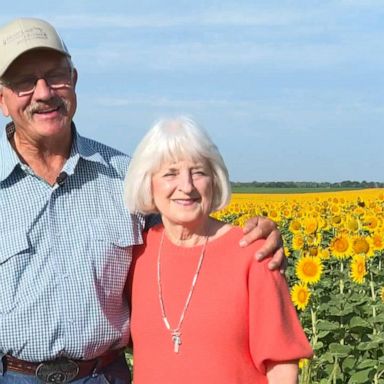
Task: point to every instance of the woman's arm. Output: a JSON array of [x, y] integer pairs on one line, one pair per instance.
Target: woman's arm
[[282, 373], [275, 333]]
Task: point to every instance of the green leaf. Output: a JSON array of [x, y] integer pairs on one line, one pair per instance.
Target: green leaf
[[357, 300], [369, 363], [327, 357], [339, 349], [323, 334], [333, 311], [361, 376], [324, 299], [318, 345], [325, 325], [358, 322], [377, 338], [349, 363], [378, 319], [366, 346]]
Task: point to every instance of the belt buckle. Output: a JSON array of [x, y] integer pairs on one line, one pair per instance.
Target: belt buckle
[[57, 371]]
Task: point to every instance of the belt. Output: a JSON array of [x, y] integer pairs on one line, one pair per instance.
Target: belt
[[61, 370]]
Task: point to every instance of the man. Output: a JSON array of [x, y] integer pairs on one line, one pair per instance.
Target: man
[[66, 239]]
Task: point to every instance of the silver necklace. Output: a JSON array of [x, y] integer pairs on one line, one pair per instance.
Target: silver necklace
[[176, 332]]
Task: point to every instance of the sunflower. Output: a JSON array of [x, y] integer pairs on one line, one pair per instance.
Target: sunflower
[[313, 240], [358, 269], [322, 223], [352, 224], [359, 211], [324, 253], [274, 215], [297, 242], [310, 225], [295, 226], [340, 246], [287, 213], [378, 241], [300, 295], [309, 269], [336, 220], [371, 222], [361, 246], [313, 251], [303, 363]]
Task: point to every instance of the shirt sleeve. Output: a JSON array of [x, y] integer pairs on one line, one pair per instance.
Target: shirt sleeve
[[136, 252], [275, 331]]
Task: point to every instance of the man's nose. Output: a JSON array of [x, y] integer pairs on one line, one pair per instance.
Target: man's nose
[[42, 89]]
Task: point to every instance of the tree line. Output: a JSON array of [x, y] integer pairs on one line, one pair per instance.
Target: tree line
[[310, 184]]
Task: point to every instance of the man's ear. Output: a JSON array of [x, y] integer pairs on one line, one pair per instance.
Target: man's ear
[[3, 104], [75, 76]]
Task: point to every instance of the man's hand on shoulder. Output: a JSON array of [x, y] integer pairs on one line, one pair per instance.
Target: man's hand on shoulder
[[260, 227]]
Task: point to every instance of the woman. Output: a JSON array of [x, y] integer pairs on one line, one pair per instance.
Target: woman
[[205, 314]]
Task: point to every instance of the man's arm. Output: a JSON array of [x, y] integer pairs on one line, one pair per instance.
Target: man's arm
[[261, 227], [258, 227]]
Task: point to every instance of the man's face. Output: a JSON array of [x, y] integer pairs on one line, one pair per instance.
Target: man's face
[[47, 112]]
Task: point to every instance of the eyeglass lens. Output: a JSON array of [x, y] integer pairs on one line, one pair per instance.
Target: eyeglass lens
[[26, 85]]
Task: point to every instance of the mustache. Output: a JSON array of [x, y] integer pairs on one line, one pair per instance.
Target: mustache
[[54, 102]]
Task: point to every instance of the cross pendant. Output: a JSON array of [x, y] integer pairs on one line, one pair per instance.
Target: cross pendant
[[176, 341]]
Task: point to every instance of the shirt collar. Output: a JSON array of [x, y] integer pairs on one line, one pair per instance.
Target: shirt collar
[[9, 159], [81, 148]]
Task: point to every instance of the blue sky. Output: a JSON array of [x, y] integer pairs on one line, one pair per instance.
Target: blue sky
[[288, 90]]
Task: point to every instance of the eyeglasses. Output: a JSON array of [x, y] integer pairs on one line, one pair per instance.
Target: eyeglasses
[[24, 86]]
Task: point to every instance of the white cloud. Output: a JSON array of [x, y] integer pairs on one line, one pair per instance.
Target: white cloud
[[158, 101], [223, 17], [195, 56], [364, 3]]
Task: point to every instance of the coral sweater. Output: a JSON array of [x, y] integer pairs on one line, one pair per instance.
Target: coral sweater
[[239, 319]]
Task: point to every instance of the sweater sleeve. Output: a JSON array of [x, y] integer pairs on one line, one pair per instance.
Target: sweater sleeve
[[275, 332]]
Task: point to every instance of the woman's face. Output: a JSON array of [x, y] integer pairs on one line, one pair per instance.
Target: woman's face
[[182, 191]]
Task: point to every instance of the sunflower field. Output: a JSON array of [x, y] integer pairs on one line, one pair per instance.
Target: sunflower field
[[334, 243]]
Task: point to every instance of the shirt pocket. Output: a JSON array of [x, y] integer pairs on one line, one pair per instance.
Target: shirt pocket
[[111, 255], [15, 254]]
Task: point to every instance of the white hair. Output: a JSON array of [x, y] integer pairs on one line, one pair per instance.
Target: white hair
[[173, 139]]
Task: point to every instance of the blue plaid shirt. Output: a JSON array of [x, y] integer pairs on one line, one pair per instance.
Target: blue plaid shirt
[[65, 251]]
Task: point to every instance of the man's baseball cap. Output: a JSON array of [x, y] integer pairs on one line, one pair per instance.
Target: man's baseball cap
[[22, 35]]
